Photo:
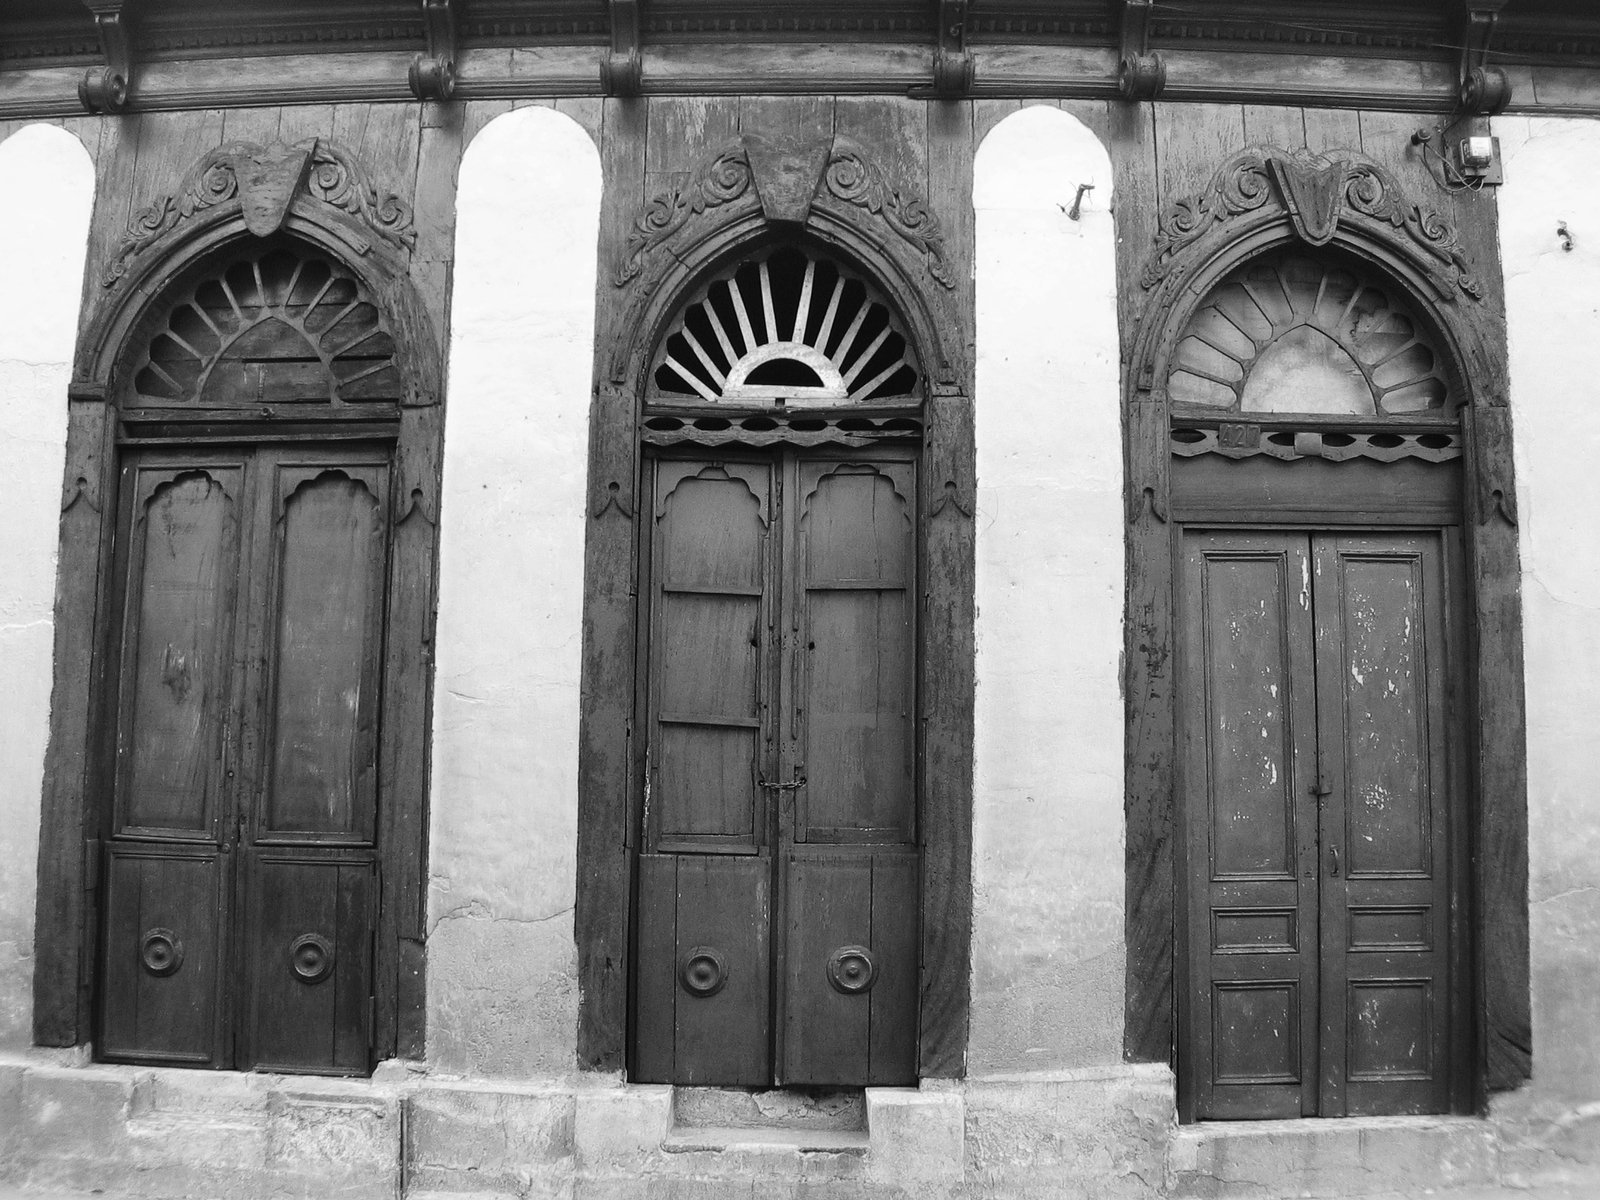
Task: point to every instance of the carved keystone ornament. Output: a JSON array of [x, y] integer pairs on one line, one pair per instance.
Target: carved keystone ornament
[[265, 182]]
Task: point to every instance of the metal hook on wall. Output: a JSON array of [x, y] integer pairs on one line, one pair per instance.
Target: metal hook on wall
[[1076, 210], [1565, 235]]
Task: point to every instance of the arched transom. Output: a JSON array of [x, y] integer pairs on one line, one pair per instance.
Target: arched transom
[[272, 325], [1289, 333], [786, 327]]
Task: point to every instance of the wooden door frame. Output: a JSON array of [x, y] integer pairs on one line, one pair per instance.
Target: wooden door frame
[[1260, 199], [737, 201], [179, 236]]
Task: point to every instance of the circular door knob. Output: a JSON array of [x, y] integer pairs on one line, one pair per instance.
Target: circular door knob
[[703, 971], [852, 969], [311, 956], [161, 951]]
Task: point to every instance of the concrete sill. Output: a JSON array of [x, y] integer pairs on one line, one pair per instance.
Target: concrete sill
[[765, 1141]]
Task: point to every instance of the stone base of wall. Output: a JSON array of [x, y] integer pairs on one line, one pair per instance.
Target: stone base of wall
[[1100, 1135]]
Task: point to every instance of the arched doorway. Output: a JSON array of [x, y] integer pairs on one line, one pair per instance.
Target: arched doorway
[[777, 887], [1322, 743], [244, 747]]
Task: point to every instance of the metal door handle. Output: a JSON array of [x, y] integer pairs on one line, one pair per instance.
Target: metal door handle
[[1336, 862]]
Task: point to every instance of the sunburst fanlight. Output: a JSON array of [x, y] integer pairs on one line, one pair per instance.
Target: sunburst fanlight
[[786, 327], [271, 327], [1292, 334]]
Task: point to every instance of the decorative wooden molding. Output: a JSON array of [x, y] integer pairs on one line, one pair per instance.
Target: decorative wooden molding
[[622, 71], [1483, 90], [952, 60], [433, 75], [849, 177], [786, 171], [1141, 75], [105, 89], [1317, 194], [264, 182]]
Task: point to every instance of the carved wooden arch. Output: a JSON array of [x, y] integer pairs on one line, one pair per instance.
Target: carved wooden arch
[[1259, 200], [755, 191], [749, 193], [312, 192], [317, 196]]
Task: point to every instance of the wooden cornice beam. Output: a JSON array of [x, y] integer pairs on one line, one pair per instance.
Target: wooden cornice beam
[[105, 89], [433, 75]]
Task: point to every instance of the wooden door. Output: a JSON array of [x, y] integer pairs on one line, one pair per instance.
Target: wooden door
[[240, 877], [777, 902], [1321, 780]]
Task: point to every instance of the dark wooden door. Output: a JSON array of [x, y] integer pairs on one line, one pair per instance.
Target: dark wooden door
[[1321, 779], [240, 873], [777, 900]]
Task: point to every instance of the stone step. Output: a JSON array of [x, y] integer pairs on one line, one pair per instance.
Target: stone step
[[776, 1109], [1353, 1157]]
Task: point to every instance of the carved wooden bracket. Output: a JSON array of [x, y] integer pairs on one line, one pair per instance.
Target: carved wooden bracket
[[1141, 75], [622, 70], [105, 89], [433, 75], [264, 183], [952, 61], [1483, 90], [1318, 194], [847, 177]]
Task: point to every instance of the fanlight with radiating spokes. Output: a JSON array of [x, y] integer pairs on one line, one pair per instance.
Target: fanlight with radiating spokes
[[1292, 334], [786, 327]]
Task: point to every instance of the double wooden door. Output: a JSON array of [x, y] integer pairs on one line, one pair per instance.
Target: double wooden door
[[1321, 784], [240, 864], [776, 920]]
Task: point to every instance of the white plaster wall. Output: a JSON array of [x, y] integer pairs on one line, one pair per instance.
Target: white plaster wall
[[1553, 326], [502, 964], [1048, 957], [44, 232]]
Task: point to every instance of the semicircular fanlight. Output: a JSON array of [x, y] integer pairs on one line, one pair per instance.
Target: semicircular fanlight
[[786, 326], [274, 326], [1288, 333]]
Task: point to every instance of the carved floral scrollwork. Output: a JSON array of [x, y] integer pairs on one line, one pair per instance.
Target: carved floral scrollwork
[[720, 181], [333, 179], [1245, 184], [848, 177], [854, 180]]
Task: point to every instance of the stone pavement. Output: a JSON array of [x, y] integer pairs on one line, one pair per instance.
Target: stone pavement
[[1589, 1191]]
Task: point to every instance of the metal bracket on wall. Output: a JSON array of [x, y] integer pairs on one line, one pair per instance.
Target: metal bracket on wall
[[1482, 90], [1141, 75], [433, 75], [952, 61], [622, 70], [105, 89]]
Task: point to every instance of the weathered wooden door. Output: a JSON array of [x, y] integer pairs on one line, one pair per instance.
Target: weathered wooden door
[[240, 866], [1320, 795], [777, 899]]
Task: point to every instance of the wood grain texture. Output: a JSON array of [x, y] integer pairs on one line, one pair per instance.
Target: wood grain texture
[[1274, 125]]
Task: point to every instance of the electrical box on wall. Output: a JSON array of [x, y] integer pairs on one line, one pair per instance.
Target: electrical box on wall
[[1478, 158]]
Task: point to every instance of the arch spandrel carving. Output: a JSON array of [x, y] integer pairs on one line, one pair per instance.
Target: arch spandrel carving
[[1264, 198], [312, 193], [745, 189]]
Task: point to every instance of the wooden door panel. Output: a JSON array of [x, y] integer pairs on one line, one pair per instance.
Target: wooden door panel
[[1248, 760], [177, 645], [308, 956], [858, 628], [850, 967], [325, 637], [703, 989], [163, 951], [1381, 683]]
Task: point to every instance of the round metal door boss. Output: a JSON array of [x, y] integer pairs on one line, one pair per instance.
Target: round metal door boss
[[161, 951], [311, 956], [852, 969], [703, 971]]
